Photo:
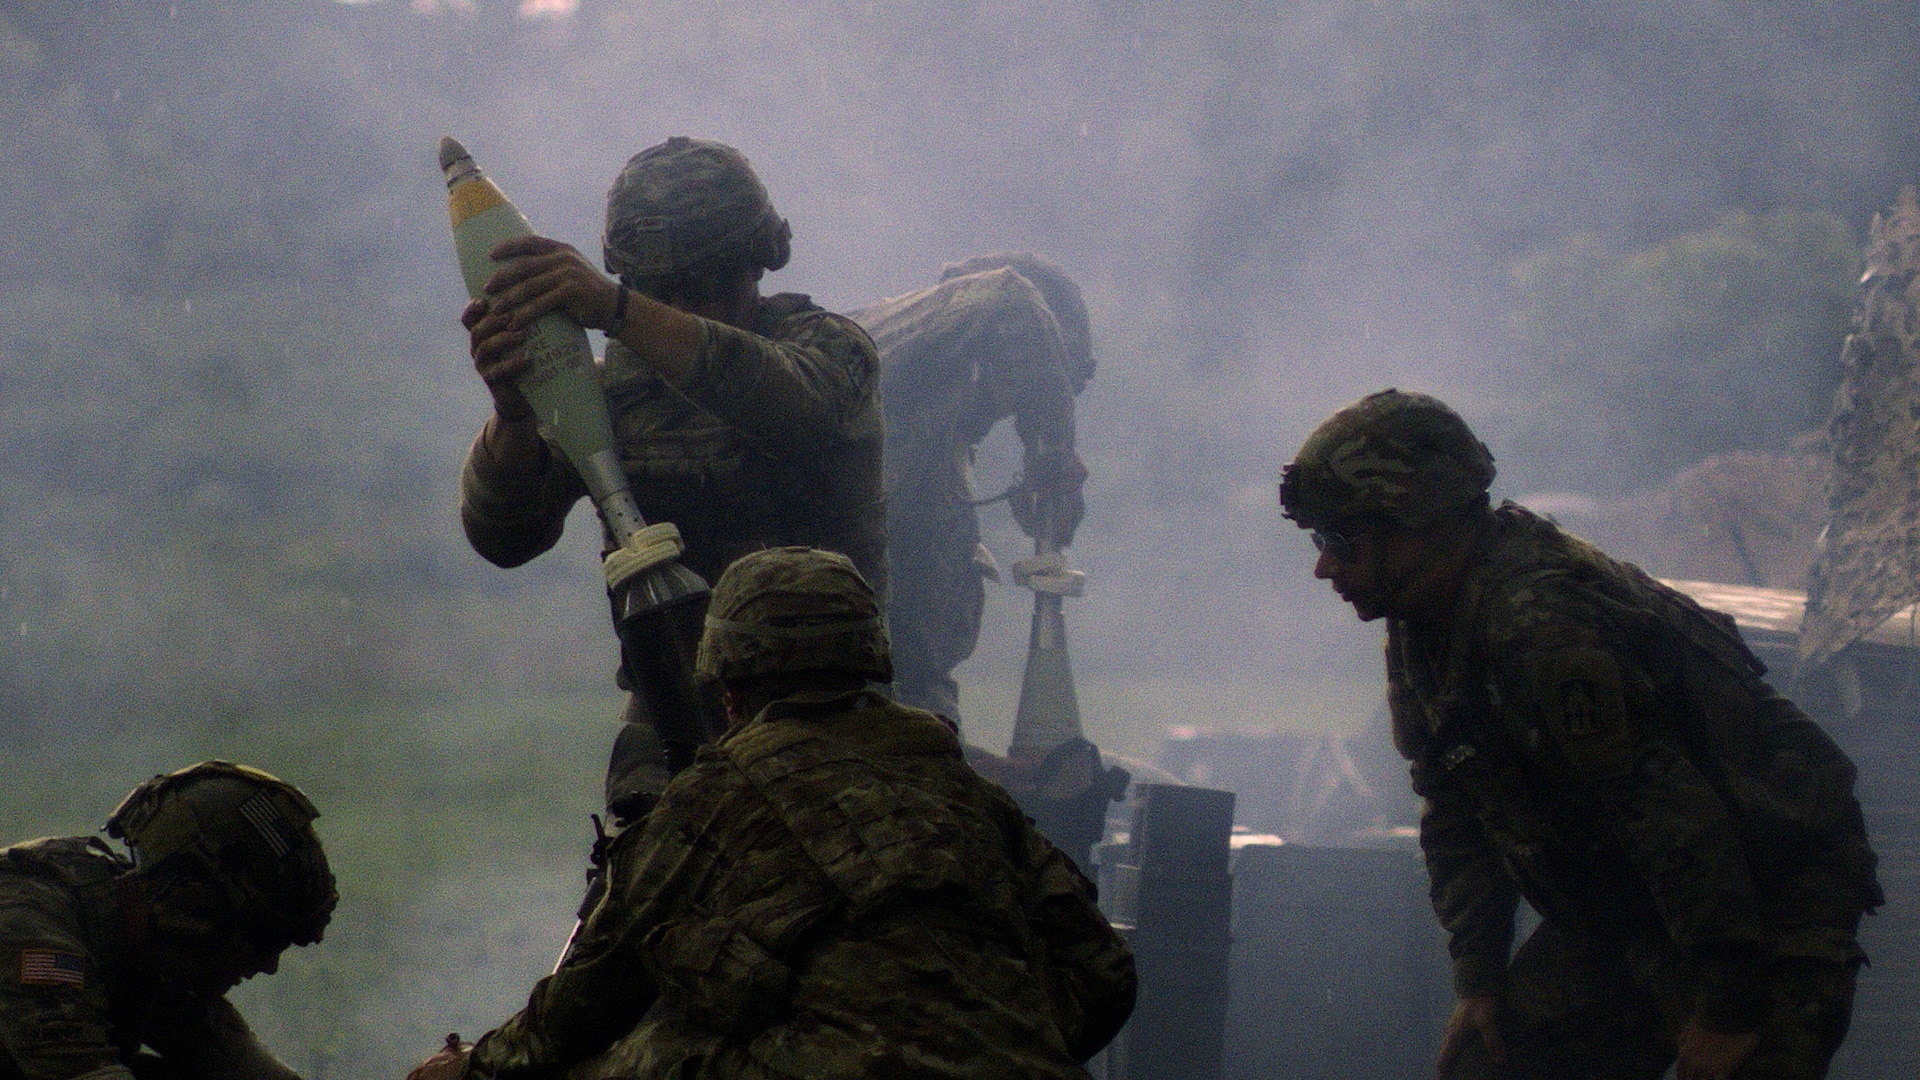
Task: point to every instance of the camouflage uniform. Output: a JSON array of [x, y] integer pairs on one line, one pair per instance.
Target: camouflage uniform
[[828, 891], [1000, 336], [775, 437], [1600, 745], [228, 867], [72, 1004]]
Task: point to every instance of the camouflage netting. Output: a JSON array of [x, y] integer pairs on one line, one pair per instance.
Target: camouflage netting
[[1870, 565]]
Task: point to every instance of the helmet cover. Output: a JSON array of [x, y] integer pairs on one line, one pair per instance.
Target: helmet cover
[[245, 833], [789, 610], [1403, 457], [691, 208]]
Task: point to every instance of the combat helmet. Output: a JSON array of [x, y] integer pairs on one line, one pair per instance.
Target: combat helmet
[[223, 842], [784, 611], [1401, 457], [1057, 289], [690, 208]]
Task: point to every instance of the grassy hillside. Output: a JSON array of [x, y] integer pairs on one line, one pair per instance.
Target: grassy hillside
[[458, 833]]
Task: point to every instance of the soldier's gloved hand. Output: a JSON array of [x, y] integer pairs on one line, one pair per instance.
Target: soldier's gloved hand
[[447, 1063], [1706, 1054], [1054, 477], [1474, 1021]]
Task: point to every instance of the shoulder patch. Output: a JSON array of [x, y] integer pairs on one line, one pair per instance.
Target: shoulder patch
[[1585, 711], [51, 967]]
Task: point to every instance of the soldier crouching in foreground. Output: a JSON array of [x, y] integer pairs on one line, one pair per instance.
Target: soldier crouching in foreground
[[827, 891], [1599, 744], [120, 969]]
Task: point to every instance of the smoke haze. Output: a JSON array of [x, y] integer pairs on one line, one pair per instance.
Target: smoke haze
[[234, 395]]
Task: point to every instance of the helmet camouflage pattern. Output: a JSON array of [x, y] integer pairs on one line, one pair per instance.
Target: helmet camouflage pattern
[[237, 843], [1402, 457], [691, 208], [790, 610]]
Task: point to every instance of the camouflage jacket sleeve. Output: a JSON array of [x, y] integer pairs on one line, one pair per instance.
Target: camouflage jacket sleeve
[[1025, 372], [990, 333], [606, 985], [816, 381], [55, 1015], [1090, 970], [210, 1040], [510, 517], [1473, 895], [1568, 677]]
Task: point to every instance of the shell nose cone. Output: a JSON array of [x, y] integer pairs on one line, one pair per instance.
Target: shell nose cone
[[451, 152]]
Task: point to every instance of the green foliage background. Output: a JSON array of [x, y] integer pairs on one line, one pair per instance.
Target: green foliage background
[[458, 834], [1655, 356]]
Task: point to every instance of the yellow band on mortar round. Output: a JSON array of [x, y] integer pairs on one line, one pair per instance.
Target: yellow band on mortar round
[[474, 197]]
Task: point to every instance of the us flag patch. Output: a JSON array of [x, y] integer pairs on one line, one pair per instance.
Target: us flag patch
[[267, 821], [46, 967]]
